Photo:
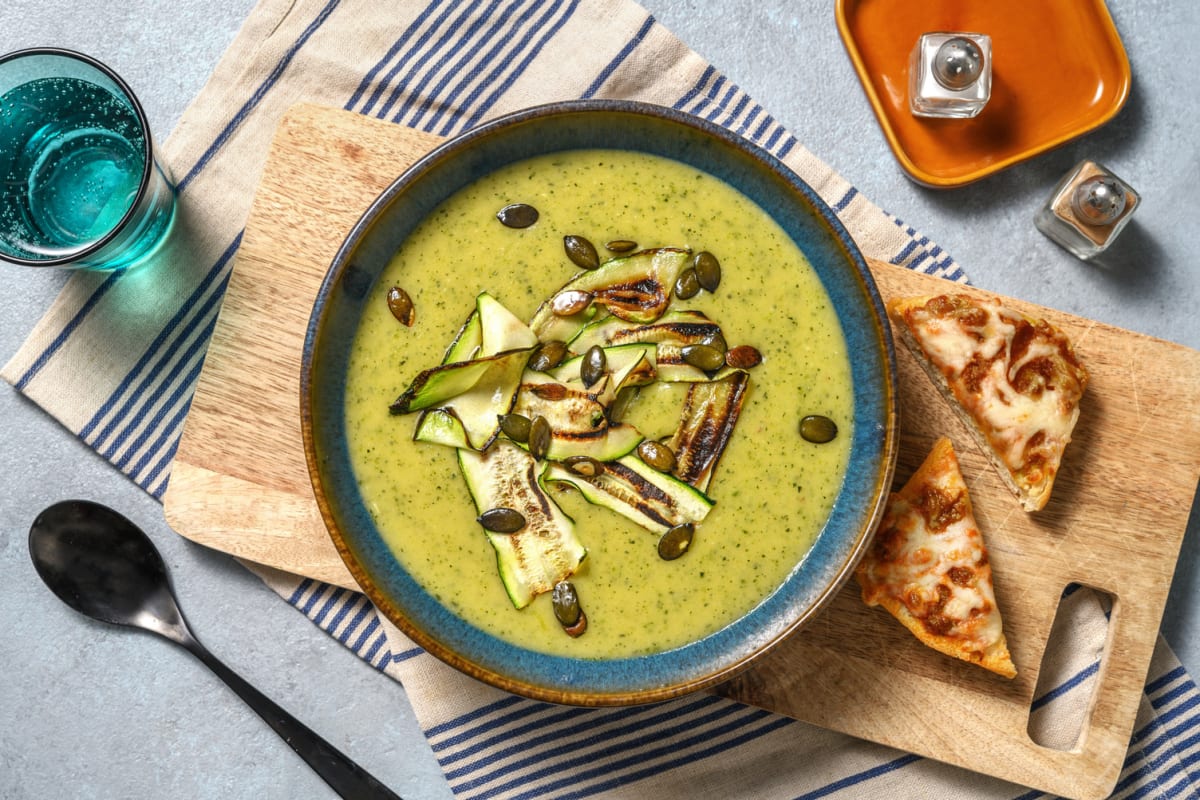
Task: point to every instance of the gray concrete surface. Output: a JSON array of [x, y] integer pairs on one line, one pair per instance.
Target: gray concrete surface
[[92, 711]]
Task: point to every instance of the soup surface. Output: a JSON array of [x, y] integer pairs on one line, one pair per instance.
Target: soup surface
[[773, 490]]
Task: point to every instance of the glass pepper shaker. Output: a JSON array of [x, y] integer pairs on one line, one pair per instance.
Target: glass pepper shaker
[[950, 75], [1087, 210]]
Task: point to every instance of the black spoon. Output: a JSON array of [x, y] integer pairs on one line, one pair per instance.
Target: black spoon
[[104, 566]]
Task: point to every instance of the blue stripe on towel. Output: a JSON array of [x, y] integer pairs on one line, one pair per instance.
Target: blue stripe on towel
[[365, 635], [483, 725], [760, 131], [353, 600], [1178, 691], [508, 701], [772, 724], [552, 779], [643, 740], [619, 58], [263, 89], [788, 144], [414, 58], [301, 588], [846, 200], [700, 745], [723, 103], [366, 612], [143, 423], [682, 102], [406, 655], [504, 30], [165, 445], [318, 592], [755, 110], [160, 350], [1169, 677], [702, 100], [180, 400], [1144, 771], [462, 72], [531, 52], [372, 73], [68, 329], [860, 777], [1170, 738], [736, 111], [338, 595], [1074, 681], [584, 721], [462, 46]]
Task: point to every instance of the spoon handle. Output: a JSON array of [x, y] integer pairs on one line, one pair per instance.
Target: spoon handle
[[346, 778]]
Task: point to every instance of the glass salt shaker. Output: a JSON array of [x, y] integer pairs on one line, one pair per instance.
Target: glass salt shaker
[[950, 75], [1087, 210]]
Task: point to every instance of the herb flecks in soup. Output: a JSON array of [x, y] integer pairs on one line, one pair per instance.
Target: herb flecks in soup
[[522, 420], [749, 519]]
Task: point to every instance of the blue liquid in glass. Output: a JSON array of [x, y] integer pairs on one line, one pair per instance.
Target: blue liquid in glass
[[71, 160]]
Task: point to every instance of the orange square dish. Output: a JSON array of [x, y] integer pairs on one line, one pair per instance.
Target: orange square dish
[[1059, 71]]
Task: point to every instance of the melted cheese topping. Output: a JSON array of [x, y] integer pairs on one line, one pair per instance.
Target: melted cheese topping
[[982, 349], [942, 577], [929, 568]]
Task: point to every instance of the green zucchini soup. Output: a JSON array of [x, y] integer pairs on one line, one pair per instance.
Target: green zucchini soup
[[748, 522]]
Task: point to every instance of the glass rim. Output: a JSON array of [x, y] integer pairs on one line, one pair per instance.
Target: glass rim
[[147, 167]]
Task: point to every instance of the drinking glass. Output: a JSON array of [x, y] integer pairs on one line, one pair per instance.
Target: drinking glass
[[83, 186]]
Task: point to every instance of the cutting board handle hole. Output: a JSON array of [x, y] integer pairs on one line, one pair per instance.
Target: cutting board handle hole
[[1072, 662]]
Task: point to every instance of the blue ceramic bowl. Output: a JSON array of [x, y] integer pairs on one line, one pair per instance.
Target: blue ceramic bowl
[[802, 214]]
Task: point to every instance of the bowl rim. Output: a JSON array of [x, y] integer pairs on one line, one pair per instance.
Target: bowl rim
[[569, 694]]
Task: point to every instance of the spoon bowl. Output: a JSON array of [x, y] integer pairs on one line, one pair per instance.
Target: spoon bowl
[[102, 565]]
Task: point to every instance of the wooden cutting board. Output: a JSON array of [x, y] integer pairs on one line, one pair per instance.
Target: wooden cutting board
[[1115, 523]]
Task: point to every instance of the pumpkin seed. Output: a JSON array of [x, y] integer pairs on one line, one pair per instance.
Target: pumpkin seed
[[581, 252], [703, 356], [566, 603], [585, 466], [567, 609], [743, 357], [593, 365], [676, 541], [818, 429], [657, 455], [547, 355], [515, 427], [687, 285], [502, 520], [708, 270], [553, 392], [401, 306], [517, 215], [539, 437], [715, 340], [621, 245], [572, 301]]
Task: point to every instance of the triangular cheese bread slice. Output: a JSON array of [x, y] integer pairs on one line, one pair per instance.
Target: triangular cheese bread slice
[[929, 567], [1015, 381]]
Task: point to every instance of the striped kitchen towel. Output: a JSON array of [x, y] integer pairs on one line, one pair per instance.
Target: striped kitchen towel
[[443, 66]]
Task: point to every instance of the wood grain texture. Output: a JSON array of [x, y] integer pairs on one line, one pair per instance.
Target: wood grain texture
[[1115, 522]]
